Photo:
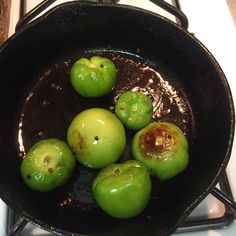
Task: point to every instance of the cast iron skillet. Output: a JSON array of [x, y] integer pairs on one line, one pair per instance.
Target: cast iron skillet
[[153, 55]]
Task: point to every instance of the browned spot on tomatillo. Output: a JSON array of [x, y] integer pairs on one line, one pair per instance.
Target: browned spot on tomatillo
[[79, 144], [156, 141], [50, 170], [117, 171], [47, 159]]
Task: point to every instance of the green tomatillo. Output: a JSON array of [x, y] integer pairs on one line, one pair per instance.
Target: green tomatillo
[[123, 190], [93, 77], [97, 137], [47, 165], [134, 109], [163, 148]]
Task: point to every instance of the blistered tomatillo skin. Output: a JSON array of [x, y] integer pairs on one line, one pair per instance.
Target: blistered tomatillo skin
[[134, 109], [97, 137], [93, 77], [47, 165], [163, 148], [123, 190]]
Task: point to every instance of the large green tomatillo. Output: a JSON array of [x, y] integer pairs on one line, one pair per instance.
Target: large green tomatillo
[[47, 165], [163, 148], [97, 137], [123, 190], [93, 77]]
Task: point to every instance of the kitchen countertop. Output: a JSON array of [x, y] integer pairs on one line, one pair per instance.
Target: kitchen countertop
[[232, 7], [4, 19]]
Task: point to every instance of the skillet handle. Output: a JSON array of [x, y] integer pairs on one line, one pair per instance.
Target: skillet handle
[[225, 199], [46, 3], [26, 18], [173, 11]]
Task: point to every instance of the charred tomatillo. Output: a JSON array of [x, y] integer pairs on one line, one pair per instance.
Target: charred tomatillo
[[134, 109], [123, 190], [47, 165], [163, 148], [93, 77], [97, 137]]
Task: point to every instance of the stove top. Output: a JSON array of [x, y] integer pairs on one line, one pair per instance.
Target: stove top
[[213, 25]]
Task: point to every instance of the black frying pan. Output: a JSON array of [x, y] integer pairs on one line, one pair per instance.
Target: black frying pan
[[37, 102]]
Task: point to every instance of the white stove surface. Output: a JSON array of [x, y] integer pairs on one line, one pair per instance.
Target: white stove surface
[[213, 25], [211, 22]]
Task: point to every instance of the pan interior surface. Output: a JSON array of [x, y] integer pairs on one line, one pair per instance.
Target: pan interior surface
[[152, 56], [51, 103]]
